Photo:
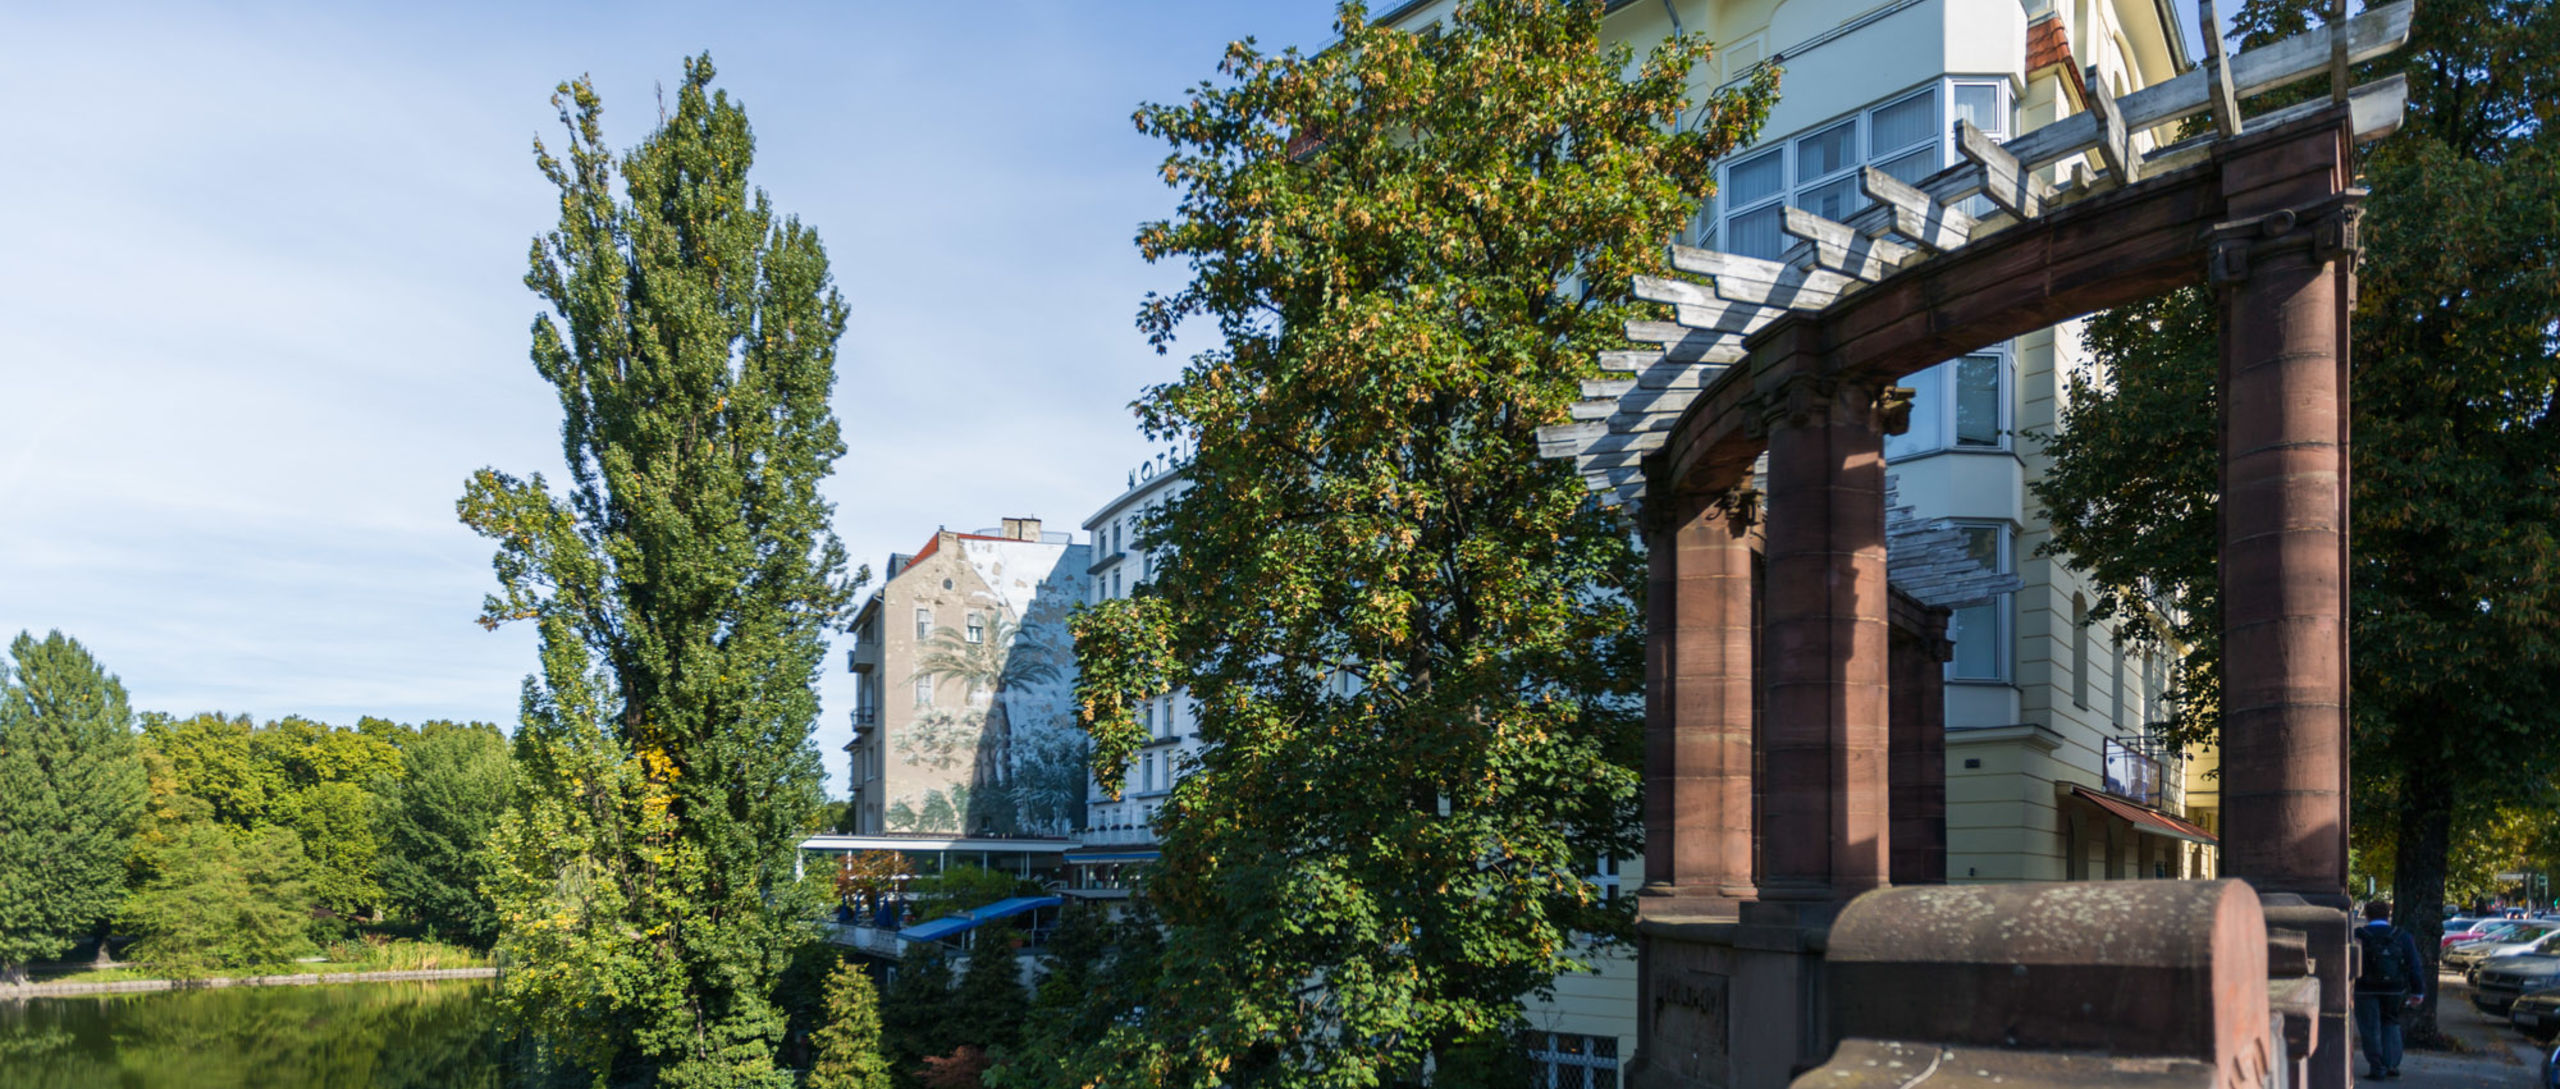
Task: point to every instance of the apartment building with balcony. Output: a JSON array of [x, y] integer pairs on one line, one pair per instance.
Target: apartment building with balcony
[[964, 698]]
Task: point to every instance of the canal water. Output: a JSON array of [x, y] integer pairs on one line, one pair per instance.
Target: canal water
[[343, 1036]]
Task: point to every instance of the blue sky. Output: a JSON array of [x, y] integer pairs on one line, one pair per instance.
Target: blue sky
[[260, 309]]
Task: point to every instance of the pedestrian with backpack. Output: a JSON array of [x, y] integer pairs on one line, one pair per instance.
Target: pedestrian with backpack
[[2392, 982]]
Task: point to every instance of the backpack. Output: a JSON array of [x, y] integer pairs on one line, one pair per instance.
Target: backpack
[[2386, 959]]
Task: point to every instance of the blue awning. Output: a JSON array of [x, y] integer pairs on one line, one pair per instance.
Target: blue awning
[[949, 925]]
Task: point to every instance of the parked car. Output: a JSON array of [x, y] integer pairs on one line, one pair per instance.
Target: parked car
[[2480, 930], [2500, 982], [2537, 1014], [2529, 938]]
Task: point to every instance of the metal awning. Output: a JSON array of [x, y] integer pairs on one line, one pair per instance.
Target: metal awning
[[2146, 819], [949, 925], [1146, 855]]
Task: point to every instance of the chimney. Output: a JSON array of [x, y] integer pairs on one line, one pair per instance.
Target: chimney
[[1022, 529]]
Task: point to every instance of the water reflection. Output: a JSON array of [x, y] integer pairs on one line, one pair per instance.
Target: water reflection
[[390, 1035]]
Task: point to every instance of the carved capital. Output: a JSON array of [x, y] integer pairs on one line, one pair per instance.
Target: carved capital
[[2328, 228], [1797, 401], [1740, 505], [1893, 409]]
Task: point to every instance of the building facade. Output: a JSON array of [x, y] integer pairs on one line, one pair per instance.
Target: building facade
[[1119, 835], [964, 702]]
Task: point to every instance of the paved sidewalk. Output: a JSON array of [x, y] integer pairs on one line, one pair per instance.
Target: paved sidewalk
[[2498, 1057]]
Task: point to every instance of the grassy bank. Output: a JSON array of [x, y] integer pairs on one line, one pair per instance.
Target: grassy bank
[[363, 953]]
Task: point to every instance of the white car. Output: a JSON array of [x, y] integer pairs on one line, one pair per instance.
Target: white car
[[2530, 938]]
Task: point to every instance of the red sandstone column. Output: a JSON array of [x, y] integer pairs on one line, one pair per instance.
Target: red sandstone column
[[2281, 261], [1824, 738], [1698, 714]]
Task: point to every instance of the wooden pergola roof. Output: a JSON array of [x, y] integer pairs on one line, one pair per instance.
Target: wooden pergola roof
[[1913, 279]]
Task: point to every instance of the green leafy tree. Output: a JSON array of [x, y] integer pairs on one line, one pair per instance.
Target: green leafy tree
[[220, 898], [312, 778], [991, 1002], [922, 1018], [1413, 641], [71, 788], [849, 1055], [682, 588], [2455, 580], [434, 822], [960, 888]]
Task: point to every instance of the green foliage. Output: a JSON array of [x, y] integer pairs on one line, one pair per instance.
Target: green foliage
[[220, 898], [960, 888], [682, 587], [991, 1002], [71, 788], [311, 778], [1413, 641], [849, 1055], [922, 1015], [435, 820], [2455, 581]]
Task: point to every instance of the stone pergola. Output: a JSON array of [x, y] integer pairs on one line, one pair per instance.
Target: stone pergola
[[1771, 807]]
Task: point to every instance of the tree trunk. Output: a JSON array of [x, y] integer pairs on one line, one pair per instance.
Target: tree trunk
[[12, 974], [2417, 881], [104, 959]]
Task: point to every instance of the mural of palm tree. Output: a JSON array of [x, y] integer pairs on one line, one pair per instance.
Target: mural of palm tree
[[1001, 659]]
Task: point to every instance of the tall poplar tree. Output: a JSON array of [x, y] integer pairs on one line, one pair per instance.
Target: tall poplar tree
[[71, 788], [1414, 642], [2454, 608], [682, 586]]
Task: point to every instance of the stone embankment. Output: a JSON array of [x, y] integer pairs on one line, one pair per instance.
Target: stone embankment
[[299, 979]]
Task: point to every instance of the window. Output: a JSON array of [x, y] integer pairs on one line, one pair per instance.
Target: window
[[924, 623], [1605, 877], [1151, 718], [1961, 404], [1818, 171], [1115, 582], [1568, 1060], [2079, 652], [924, 691], [1981, 632], [2116, 705], [1148, 775], [977, 628]]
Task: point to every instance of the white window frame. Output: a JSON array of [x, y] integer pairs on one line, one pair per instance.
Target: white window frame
[[977, 627], [2000, 610], [924, 691], [1714, 223], [924, 623], [1933, 408], [1571, 1060]]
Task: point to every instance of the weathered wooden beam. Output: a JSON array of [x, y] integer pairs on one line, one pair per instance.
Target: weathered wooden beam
[[1604, 479], [1578, 439], [1762, 283], [2115, 142], [2377, 31], [1840, 248], [1608, 459], [1634, 403], [1932, 225], [1653, 371], [1725, 316], [1664, 290], [1679, 342], [2375, 109], [2220, 97], [2005, 181]]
